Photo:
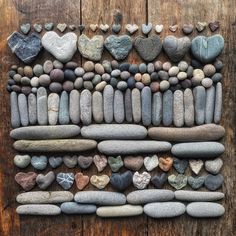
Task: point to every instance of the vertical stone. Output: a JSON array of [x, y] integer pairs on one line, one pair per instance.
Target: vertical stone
[[64, 117], [218, 103], [146, 97], [42, 106], [156, 108], [97, 107], [136, 105], [188, 107], [32, 108], [108, 96], [86, 107], [53, 108], [119, 110], [15, 114], [74, 110], [199, 94], [178, 108], [128, 106], [210, 104], [23, 109], [167, 108]]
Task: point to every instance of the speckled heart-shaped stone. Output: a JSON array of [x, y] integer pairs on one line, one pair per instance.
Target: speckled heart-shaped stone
[[81, 180], [100, 162], [196, 165], [26, 180], [178, 181], [141, 181], [99, 182], [197, 182]]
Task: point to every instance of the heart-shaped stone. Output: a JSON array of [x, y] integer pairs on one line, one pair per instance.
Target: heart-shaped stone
[[85, 161], [187, 28], [196, 165], [25, 28], [62, 48], [100, 162], [116, 28], [148, 48], [121, 181], [118, 47], [173, 28], [196, 183], [206, 49], [38, 27], [81, 180], [214, 166], [61, 27], [39, 162], [180, 165], [133, 162], [146, 28], [151, 162], [159, 180], [72, 27], [26, 48], [48, 26], [165, 163], [213, 182], [26, 180], [141, 181], [214, 26], [115, 163], [91, 48], [81, 28], [178, 181], [70, 161], [44, 181], [176, 48], [200, 26], [55, 161], [22, 161], [66, 180], [93, 27], [99, 182], [158, 28], [104, 28], [131, 28]]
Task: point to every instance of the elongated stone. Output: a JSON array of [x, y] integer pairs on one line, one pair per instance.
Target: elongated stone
[[32, 108], [188, 107], [74, 107], [58, 145], [53, 108], [218, 103], [119, 108], [128, 106], [210, 103], [204, 150], [79, 209], [38, 209], [42, 106], [199, 94], [149, 195], [208, 132], [178, 108], [97, 107], [197, 196], [146, 98], [100, 198], [23, 109], [64, 109], [108, 97], [205, 209], [119, 147], [136, 105], [86, 107], [45, 132], [114, 131], [119, 211], [39, 197], [157, 109], [15, 114], [167, 108]]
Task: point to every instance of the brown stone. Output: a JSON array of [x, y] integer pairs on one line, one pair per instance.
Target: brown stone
[[99, 182], [26, 180], [100, 162], [81, 180], [165, 163], [133, 162]]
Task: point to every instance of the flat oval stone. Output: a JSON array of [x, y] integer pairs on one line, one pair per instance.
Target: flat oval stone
[[210, 104], [86, 107], [178, 108], [114, 131], [204, 150], [100, 198], [119, 211], [164, 209], [128, 106], [42, 106], [74, 108], [97, 107], [213, 182], [78, 209], [32, 108], [149, 195], [64, 109], [45, 132], [199, 94], [108, 96], [38, 209], [119, 112], [141, 181], [53, 108], [15, 114], [22, 161], [188, 107], [23, 109], [167, 105], [146, 98], [218, 103], [136, 105], [157, 109], [205, 209], [119, 147]]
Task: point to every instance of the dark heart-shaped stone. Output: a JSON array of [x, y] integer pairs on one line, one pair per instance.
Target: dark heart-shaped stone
[[85, 161], [176, 48], [26, 180], [213, 182], [44, 181], [65, 180], [26, 48], [116, 28], [180, 165], [121, 181], [118, 47], [148, 48], [159, 180], [206, 49], [196, 183]]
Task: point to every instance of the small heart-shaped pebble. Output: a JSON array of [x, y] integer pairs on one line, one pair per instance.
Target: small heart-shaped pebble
[[38, 28], [187, 28], [178, 181], [180, 165], [61, 27], [214, 166], [214, 26], [39, 162], [141, 181], [121, 181], [200, 26], [54, 162], [81, 28], [25, 28], [196, 165], [146, 28], [100, 162], [66, 180], [133, 162], [131, 28], [70, 161], [81, 180], [44, 181], [165, 163], [93, 27], [173, 28], [116, 28], [159, 180], [48, 26], [158, 28], [85, 161], [26, 180], [151, 162], [99, 182], [115, 163], [197, 182], [72, 27], [213, 182], [104, 28]]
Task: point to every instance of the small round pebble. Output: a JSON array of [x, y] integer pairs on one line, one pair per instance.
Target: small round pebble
[[164, 85], [207, 82], [38, 70], [173, 71], [182, 75], [166, 66], [146, 79], [183, 66], [209, 70], [217, 77], [44, 80], [88, 66]]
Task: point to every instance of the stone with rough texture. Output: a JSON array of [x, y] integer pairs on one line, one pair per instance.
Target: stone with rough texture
[[197, 182], [66, 180], [44, 181], [136, 105], [141, 181], [26, 180], [74, 108], [218, 103], [196, 165], [15, 115], [42, 106], [99, 182], [165, 164], [86, 107], [157, 109], [100, 162], [108, 98], [178, 181], [214, 166], [121, 181], [78, 209], [146, 98], [23, 109], [188, 107], [159, 180], [53, 108], [119, 107], [178, 108], [81, 180], [38, 209], [115, 163], [39, 162], [97, 107], [22, 161], [84, 161], [151, 162], [133, 162], [180, 165], [128, 106], [213, 182], [167, 105], [32, 107]]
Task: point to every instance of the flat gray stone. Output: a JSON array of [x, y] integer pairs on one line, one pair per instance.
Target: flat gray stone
[[39, 162], [86, 107], [188, 107], [38, 209], [199, 94], [210, 105], [128, 106], [42, 106], [32, 108], [167, 106], [53, 108], [78, 209], [178, 108], [119, 107], [157, 108], [218, 103], [15, 114], [136, 105], [146, 97], [74, 110], [64, 117], [23, 109], [108, 97], [97, 107]]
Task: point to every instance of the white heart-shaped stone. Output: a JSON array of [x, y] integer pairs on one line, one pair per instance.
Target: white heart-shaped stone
[[196, 165], [93, 27], [104, 28], [131, 28], [141, 181], [159, 28], [62, 48], [151, 163]]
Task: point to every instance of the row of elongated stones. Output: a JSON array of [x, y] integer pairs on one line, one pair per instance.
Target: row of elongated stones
[[179, 108]]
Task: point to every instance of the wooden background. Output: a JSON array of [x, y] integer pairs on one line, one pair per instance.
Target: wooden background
[[168, 12]]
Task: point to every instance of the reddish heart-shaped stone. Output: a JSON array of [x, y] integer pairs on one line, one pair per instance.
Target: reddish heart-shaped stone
[[165, 163], [81, 180], [26, 180]]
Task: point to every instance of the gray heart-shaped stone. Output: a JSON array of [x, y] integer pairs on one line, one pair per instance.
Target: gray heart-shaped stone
[[213, 182], [178, 181], [146, 28], [197, 182], [214, 166], [65, 180], [44, 181], [39, 162]]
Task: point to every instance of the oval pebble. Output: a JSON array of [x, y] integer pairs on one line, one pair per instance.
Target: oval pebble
[[218, 103], [53, 108], [136, 105], [210, 103], [188, 107], [42, 106], [63, 115], [178, 108], [119, 113], [199, 94], [74, 102], [128, 106], [97, 107], [146, 98], [23, 109], [86, 107], [15, 114], [38, 209], [167, 106], [79, 209], [108, 96], [32, 108]]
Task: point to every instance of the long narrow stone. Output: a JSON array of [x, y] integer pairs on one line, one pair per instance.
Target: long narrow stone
[[38, 209], [64, 117], [146, 98], [208, 132], [42, 106], [114, 131], [45, 132], [39, 197], [86, 107], [128, 106], [55, 145], [78, 209], [199, 94], [74, 110], [53, 108], [178, 108], [15, 114], [156, 109], [136, 105], [32, 108], [119, 147], [108, 97], [210, 104], [23, 109], [218, 103], [97, 107], [188, 107], [167, 108], [119, 108]]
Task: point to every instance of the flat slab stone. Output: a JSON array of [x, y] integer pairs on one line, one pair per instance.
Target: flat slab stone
[[75, 208], [38, 209]]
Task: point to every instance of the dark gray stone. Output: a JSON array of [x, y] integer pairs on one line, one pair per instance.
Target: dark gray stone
[[146, 98], [119, 109], [15, 115], [66, 180], [64, 109], [180, 165], [213, 182], [167, 106], [210, 105]]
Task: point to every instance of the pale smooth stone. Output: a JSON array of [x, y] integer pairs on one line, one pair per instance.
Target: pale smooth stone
[[108, 108], [151, 162], [58, 145], [149, 195], [64, 109], [53, 108], [146, 98], [197, 196], [15, 115], [188, 107], [74, 108], [119, 107], [119, 147], [100, 198], [157, 108], [178, 108], [45, 132], [114, 131], [38, 209], [164, 209], [210, 103], [86, 107], [205, 209], [23, 109], [167, 108], [97, 107], [42, 106], [119, 211], [22, 161], [199, 94], [128, 106], [32, 107], [39, 197], [218, 103], [214, 166], [136, 105], [75, 208]]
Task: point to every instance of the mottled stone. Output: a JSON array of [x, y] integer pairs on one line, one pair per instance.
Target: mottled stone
[[22, 161], [165, 164], [15, 115], [26, 180], [197, 182], [151, 162], [199, 94], [44, 181], [39, 162], [70, 161], [136, 105], [178, 181], [146, 98], [200, 26], [81, 180], [108, 98], [86, 107], [100, 161], [128, 106], [66, 180], [32, 108], [84, 161], [178, 108], [157, 108], [74, 108], [121, 181], [115, 163], [38, 209], [42, 106], [64, 109], [196, 165], [180, 165], [141, 181], [133, 162], [210, 103], [23, 109], [188, 107], [214, 166], [99, 182], [55, 161], [218, 103], [53, 108], [25, 28], [167, 106], [97, 107], [78, 209], [159, 180], [61, 27]]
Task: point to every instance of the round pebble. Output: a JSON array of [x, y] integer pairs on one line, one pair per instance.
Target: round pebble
[[209, 70]]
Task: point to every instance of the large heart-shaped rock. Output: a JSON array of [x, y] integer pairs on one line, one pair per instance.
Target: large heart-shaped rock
[[119, 47], [91, 48], [26, 48], [176, 48], [26, 180], [148, 48], [62, 48], [206, 49], [44, 181], [121, 181]]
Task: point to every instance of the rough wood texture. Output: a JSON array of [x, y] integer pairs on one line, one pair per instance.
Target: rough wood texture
[[167, 12]]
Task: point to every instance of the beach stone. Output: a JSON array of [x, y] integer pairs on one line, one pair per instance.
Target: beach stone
[[25, 28], [55, 87], [176, 48], [77, 209], [84, 161], [39, 162], [121, 181], [217, 77], [108, 95], [218, 103], [188, 107], [156, 108], [158, 28], [196, 182], [38, 28], [205, 209], [61, 27], [136, 105], [26, 180], [15, 115], [81, 180], [22, 161], [164, 209], [199, 94], [141, 181], [159, 180], [118, 46], [116, 28], [133, 162], [167, 105], [119, 113], [53, 108], [97, 107], [100, 198], [146, 28], [128, 106], [38, 209], [32, 108], [115, 163], [42, 106], [85, 107], [177, 181], [131, 28], [206, 49], [64, 109], [55, 161], [104, 27], [66, 180], [99, 182], [23, 109], [151, 162], [164, 85], [213, 182], [214, 166], [62, 48], [165, 163], [100, 162], [74, 111], [187, 28], [44, 181], [173, 28], [178, 108], [210, 102], [196, 165], [200, 26], [48, 26], [70, 161], [214, 26], [180, 165], [146, 98]]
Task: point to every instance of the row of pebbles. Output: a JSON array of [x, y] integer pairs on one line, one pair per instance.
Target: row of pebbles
[[154, 203]]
